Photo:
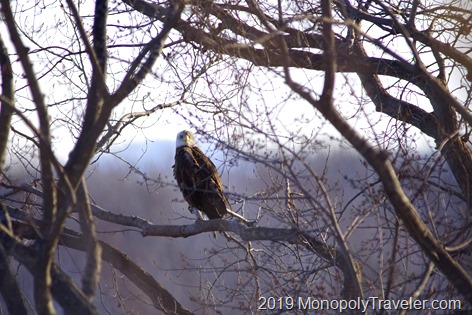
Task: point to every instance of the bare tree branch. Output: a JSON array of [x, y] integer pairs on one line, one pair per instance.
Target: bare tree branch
[[9, 288], [138, 69], [404, 209], [93, 250], [74, 304], [7, 91], [242, 75], [63, 288], [42, 283]]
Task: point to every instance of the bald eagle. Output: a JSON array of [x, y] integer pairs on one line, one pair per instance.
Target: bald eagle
[[198, 179]]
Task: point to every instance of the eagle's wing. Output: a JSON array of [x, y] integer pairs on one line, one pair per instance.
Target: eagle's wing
[[209, 181], [184, 171], [200, 183]]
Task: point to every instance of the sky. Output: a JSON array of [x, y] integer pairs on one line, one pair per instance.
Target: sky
[[265, 92]]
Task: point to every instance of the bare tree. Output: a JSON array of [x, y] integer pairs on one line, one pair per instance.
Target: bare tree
[[281, 87]]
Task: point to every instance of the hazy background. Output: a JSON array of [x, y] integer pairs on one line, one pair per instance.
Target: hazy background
[[138, 181]]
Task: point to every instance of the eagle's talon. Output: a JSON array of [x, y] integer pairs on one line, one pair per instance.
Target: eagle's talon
[[197, 213]]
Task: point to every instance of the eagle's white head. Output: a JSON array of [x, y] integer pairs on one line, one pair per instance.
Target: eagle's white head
[[185, 139]]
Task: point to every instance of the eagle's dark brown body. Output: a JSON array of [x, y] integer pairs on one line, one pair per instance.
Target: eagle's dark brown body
[[198, 178]]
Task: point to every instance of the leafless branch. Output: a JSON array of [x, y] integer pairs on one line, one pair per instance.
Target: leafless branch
[[93, 250], [7, 91], [404, 209]]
